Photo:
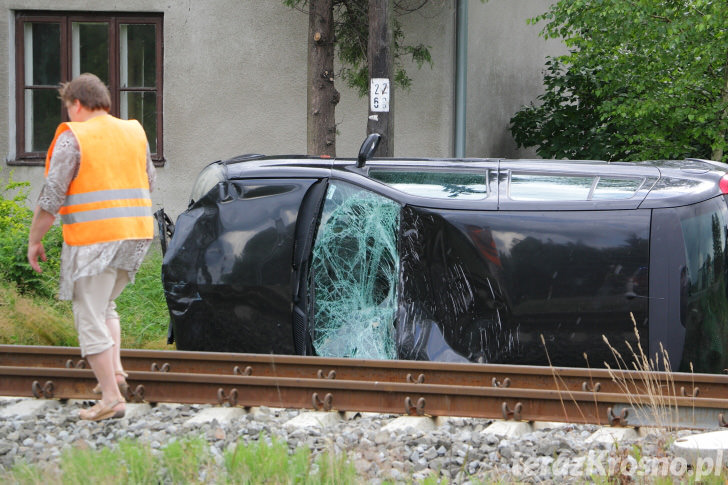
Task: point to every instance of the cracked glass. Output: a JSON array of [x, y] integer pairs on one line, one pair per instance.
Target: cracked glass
[[355, 268]]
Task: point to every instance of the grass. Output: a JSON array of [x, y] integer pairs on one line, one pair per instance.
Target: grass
[[188, 460], [651, 377], [191, 460], [659, 387], [142, 307], [28, 319]]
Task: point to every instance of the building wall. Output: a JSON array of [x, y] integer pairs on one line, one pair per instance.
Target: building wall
[[506, 59], [235, 82]]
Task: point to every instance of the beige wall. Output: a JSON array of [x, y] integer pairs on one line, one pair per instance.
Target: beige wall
[[424, 114], [235, 82], [505, 71]]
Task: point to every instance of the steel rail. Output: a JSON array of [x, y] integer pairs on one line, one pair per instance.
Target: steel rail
[[422, 372], [373, 396]]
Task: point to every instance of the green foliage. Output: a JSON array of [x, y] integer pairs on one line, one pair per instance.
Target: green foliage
[[351, 31], [260, 462], [142, 307], [24, 473], [30, 319], [187, 460], [183, 459], [31, 314], [566, 123], [15, 219], [643, 79], [332, 469], [91, 466], [141, 467]]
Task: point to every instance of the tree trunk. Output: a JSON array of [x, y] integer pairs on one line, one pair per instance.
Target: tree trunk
[[380, 59], [322, 96]]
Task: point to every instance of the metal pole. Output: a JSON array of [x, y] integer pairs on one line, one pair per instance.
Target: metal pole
[[461, 75]]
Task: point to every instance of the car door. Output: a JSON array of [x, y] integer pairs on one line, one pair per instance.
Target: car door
[[227, 271], [373, 261], [574, 247]]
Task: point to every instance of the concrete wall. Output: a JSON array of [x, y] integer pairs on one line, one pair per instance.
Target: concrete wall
[[235, 82], [505, 71], [424, 115]]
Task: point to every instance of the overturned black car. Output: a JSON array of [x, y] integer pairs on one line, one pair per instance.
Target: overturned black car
[[472, 260]]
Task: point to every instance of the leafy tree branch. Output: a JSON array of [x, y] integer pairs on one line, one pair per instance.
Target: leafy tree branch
[[642, 79]]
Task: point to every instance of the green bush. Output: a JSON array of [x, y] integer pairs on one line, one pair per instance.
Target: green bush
[[15, 219]]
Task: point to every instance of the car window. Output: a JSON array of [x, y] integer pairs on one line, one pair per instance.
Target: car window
[[549, 187], [439, 184], [612, 188], [354, 269], [704, 228], [209, 177], [571, 187]]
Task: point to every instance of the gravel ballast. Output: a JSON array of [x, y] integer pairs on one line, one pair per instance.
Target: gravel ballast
[[459, 449]]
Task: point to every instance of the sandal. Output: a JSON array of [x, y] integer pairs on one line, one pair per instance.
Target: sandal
[[123, 386], [100, 411]]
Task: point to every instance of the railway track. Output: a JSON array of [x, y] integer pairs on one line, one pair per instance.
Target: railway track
[[402, 387]]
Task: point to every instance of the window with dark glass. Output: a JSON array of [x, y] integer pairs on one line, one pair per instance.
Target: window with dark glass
[[124, 51], [705, 279]]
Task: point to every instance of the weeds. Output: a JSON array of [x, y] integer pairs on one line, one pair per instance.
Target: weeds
[[659, 387], [140, 463], [27, 318], [256, 462], [558, 379], [331, 469], [261, 462], [25, 474], [185, 459], [188, 461], [142, 307], [90, 466], [15, 218]]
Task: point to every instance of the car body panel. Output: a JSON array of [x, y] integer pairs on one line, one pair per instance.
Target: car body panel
[[227, 270], [496, 282]]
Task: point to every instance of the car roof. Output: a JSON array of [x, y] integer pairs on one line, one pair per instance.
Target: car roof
[[664, 183]]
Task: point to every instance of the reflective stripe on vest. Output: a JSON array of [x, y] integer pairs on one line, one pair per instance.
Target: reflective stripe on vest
[[104, 195], [100, 214]]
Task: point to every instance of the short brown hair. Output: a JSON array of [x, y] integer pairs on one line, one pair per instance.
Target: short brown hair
[[89, 90]]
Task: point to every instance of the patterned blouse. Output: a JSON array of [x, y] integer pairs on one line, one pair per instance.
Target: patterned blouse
[[80, 261]]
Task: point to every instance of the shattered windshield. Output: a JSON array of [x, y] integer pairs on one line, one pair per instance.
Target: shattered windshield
[[355, 268]]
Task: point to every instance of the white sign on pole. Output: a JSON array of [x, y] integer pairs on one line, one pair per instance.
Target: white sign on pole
[[379, 95]]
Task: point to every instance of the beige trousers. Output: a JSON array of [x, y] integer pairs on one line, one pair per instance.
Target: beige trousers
[[93, 304]]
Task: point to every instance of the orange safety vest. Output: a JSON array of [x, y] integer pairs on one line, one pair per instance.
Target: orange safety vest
[[109, 199]]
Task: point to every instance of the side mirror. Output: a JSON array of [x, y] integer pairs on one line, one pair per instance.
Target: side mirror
[[367, 149], [166, 228]]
